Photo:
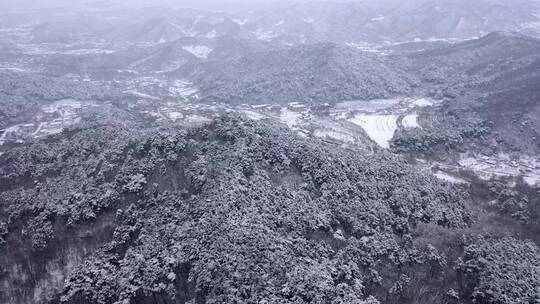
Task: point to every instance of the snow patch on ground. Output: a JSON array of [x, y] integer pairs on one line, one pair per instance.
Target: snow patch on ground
[[532, 181], [190, 33], [378, 18], [334, 135], [51, 128], [13, 132], [368, 106], [253, 115], [265, 35], [289, 117], [52, 119], [423, 102], [503, 165], [87, 52], [534, 25], [411, 121], [240, 21], [449, 178], [141, 95], [13, 69], [64, 105], [380, 128], [182, 88], [211, 34], [364, 47], [174, 116], [197, 119], [199, 51]]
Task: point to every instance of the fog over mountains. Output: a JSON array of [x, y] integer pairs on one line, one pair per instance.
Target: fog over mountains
[[269, 151]]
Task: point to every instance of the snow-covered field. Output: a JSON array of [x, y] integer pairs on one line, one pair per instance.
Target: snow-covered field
[[381, 118], [449, 177], [503, 165], [182, 88], [52, 119], [14, 133], [337, 135], [289, 117], [175, 116], [423, 102], [411, 121], [380, 128]]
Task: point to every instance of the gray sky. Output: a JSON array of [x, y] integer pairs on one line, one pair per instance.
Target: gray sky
[[217, 4], [208, 4]]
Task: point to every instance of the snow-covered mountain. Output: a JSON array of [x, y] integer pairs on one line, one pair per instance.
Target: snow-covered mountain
[[392, 20], [369, 21]]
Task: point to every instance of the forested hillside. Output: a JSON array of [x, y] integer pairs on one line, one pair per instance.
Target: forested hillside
[[237, 211], [315, 73]]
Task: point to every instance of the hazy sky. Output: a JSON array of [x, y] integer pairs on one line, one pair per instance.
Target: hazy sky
[[208, 4], [30, 4]]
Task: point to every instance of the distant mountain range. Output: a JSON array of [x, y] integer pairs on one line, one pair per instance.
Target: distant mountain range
[[391, 20], [307, 22]]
